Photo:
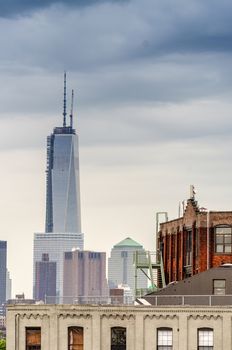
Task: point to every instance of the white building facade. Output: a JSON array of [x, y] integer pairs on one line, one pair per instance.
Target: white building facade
[[121, 269], [66, 327]]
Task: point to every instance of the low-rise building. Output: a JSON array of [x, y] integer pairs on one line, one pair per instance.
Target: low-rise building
[[66, 327], [199, 240], [211, 287]]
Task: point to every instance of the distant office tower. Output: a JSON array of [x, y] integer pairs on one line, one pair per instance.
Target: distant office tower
[[3, 257], [55, 245], [85, 274], [45, 275], [63, 218], [8, 286], [63, 185], [121, 269]]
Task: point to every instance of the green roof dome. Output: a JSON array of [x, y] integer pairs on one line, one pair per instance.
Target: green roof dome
[[128, 242]]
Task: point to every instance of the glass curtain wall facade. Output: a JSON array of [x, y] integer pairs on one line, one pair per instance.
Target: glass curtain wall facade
[[63, 189], [63, 214]]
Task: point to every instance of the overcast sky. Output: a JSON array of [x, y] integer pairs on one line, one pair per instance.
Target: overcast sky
[[153, 92]]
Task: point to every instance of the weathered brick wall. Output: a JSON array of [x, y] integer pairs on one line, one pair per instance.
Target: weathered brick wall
[[173, 234]]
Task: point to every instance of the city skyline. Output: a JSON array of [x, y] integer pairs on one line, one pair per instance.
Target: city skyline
[[153, 107]]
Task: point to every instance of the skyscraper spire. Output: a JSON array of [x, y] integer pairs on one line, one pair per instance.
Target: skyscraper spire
[[71, 112], [64, 112]]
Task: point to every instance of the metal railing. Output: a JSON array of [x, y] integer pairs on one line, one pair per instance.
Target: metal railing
[[91, 300], [191, 300], [147, 257]]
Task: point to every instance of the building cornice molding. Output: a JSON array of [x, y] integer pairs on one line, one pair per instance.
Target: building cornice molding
[[74, 315], [116, 316], [204, 317], [33, 316], [161, 317]]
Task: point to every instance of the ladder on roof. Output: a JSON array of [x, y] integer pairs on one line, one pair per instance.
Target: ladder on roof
[[151, 265]]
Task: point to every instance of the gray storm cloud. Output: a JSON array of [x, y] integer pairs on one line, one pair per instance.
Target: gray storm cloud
[[119, 54], [26, 7]]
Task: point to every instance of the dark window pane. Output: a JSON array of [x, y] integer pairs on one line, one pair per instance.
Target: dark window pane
[[118, 338]]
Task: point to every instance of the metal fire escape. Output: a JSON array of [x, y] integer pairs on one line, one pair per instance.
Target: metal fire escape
[[151, 264]]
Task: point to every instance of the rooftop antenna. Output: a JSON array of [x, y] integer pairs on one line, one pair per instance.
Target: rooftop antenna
[[64, 112], [71, 112], [192, 192]]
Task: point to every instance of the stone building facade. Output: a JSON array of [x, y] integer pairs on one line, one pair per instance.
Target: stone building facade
[[197, 241], [66, 327]]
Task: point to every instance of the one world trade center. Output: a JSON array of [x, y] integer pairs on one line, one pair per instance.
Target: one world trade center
[[63, 214]]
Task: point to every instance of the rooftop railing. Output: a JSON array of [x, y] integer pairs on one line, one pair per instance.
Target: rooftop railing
[[185, 300], [154, 300], [98, 300]]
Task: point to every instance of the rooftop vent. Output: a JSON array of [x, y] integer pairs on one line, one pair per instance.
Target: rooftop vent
[[226, 265]]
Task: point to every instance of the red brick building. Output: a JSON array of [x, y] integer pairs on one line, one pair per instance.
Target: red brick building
[[195, 242]]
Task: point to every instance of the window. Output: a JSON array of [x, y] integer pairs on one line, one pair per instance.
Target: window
[[205, 339], [223, 239], [124, 254], [118, 338], [75, 338], [33, 338], [164, 339], [188, 250], [219, 287]]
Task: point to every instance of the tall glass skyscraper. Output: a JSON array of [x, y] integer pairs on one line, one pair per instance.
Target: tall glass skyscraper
[[63, 214], [63, 192]]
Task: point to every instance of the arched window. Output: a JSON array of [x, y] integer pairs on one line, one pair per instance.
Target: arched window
[[75, 338], [223, 239], [118, 338], [164, 339], [205, 339]]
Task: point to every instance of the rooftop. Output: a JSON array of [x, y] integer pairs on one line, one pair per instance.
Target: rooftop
[[128, 242], [64, 130]]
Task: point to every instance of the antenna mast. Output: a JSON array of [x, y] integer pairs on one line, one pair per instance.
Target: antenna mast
[[71, 112], [64, 111]]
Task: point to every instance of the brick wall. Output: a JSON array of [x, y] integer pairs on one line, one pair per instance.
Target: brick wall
[[175, 237]]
